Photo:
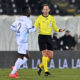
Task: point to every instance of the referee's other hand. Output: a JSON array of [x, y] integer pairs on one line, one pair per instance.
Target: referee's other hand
[[61, 30]]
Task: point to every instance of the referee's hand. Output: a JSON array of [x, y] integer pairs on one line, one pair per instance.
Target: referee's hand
[[61, 30]]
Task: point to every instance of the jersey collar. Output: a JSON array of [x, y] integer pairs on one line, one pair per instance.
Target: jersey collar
[[45, 16]]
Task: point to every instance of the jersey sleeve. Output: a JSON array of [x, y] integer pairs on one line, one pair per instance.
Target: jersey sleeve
[[36, 24], [55, 28], [32, 30], [29, 24], [14, 26]]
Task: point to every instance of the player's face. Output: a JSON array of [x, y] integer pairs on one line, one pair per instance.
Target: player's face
[[28, 12], [46, 10]]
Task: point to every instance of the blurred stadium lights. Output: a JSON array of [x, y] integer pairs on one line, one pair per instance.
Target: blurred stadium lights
[[58, 7]]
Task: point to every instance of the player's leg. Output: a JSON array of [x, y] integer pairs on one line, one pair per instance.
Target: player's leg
[[24, 66], [18, 63], [26, 56]]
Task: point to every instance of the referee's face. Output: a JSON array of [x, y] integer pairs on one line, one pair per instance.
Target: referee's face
[[46, 10]]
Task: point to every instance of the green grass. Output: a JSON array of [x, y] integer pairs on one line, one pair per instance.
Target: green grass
[[30, 74]]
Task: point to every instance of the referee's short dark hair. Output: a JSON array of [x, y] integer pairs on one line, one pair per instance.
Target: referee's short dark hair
[[46, 5]]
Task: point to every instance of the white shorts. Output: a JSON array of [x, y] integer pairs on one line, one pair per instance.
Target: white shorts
[[22, 48]]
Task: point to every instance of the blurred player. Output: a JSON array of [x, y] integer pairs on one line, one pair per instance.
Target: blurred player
[[21, 27], [45, 23]]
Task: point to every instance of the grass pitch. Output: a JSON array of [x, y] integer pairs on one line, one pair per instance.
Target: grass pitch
[[30, 74]]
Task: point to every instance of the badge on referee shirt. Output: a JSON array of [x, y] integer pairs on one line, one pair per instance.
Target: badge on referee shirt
[[50, 24]]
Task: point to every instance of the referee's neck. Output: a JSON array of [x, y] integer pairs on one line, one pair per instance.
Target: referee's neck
[[45, 15]]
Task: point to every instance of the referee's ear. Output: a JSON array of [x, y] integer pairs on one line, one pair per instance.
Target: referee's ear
[[49, 10]]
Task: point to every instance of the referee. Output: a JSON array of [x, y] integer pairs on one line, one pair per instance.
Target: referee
[[45, 23]]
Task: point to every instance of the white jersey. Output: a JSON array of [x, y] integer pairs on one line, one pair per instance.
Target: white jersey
[[21, 26]]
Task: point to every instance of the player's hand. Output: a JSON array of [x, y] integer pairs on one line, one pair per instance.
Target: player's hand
[[27, 30]]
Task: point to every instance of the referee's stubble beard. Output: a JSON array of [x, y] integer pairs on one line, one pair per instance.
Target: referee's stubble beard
[[45, 10]]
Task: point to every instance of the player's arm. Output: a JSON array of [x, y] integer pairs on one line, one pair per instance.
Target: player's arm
[[13, 26], [35, 27], [36, 24], [29, 27], [55, 28]]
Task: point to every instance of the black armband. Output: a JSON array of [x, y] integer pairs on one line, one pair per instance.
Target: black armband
[[32, 26], [59, 30]]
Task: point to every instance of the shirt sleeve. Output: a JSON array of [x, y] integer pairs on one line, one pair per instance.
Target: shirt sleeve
[[29, 24], [55, 28], [14, 26], [32, 29], [36, 24]]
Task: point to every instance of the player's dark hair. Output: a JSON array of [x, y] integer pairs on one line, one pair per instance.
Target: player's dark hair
[[25, 9]]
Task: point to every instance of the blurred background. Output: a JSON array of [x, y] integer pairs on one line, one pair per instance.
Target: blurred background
[[66, 13], [58, 7]]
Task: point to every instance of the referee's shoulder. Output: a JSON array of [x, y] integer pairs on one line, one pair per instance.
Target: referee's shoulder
[[39, 16], [51, 16]]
